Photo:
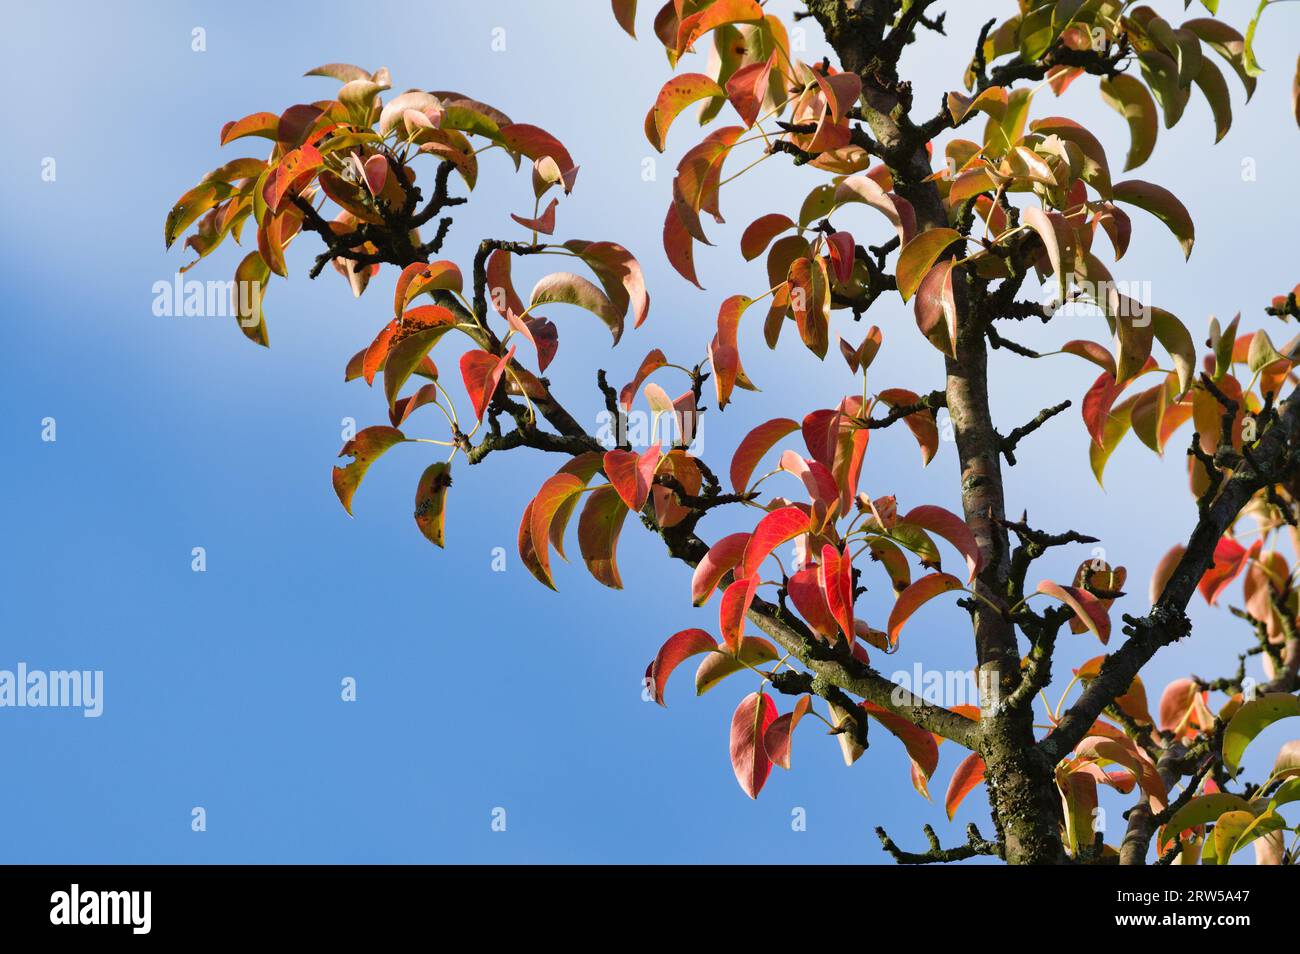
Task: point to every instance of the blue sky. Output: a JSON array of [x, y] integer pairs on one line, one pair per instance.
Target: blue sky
[[476, 689]]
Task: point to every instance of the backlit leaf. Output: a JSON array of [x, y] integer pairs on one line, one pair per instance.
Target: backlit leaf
[[749, 724], [369, 444], [916, 596], [918, 255], [431, 501], [679, 646], [1128, 96], [678, 93], [1252, 719]]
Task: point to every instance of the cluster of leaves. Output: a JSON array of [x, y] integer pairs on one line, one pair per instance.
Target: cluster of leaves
[[966, 225], [357, 153], [814, 266]]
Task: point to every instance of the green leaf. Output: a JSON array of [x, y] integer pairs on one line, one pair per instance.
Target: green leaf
[[717, 666], [1210, 81], [1164, 205], [1228, 44], [569, 289], [1201, 810], [1252, 719], [1177, 340], [1249, 62], [251, 277], [405, 356], [1129, 97], [431, 501], [918, 255]]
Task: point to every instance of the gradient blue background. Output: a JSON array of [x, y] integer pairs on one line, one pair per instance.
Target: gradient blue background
[[477, 689]]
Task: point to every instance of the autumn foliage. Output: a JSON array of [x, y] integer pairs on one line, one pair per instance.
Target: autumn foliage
[[987, 195]]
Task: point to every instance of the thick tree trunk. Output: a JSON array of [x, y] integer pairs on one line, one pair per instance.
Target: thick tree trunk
[[1020, 782], [1022, 790]]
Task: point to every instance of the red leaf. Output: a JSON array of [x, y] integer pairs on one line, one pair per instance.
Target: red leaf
[[759, 234], [936, 308], [722, 556], [541, 334], [772, 531], [755, 444], [921, 423], [258, 124], [725, 349], [820, 484], [625, 14], [544, 223], [678, 93], [482, 372], [679, 646], [952, 528], [376, 173], [921, 746], [649, 364], [1088, 608], [736, 600], [423, 277], [841, 246], [377, 353], [776, 740], [837, 581], [678, 246], [1178, 704], [809, 599], [749, 725], [747, 88], [500, 289], [289, 175], [534, 143], [619, 273], [632, 474], [714, 14], [1229, 560], [403, 407]]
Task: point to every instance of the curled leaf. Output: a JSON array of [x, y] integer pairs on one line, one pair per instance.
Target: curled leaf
[[679, 646]]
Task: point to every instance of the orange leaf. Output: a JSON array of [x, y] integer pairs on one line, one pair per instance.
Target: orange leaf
[[364, 449], [678, 93], [915, 596], [554, 493], [967, 775]]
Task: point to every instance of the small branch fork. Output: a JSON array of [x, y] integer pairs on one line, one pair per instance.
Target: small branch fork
[[1011, 440], [976, 845]]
